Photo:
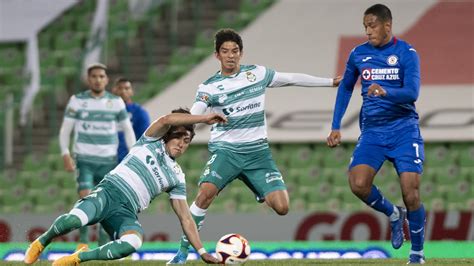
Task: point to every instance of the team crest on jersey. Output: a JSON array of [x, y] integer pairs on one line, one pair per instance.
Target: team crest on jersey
[[392, 60], [84, 104], [250, 76], [177, 169], [109, 104]]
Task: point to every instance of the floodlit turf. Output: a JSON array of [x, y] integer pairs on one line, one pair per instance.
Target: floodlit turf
[[358, 262]]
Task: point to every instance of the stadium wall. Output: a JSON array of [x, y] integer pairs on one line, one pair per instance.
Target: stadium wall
[[331, 226]]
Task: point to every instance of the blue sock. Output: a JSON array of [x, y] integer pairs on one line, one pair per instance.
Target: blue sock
[[378, 202], [416, 223]]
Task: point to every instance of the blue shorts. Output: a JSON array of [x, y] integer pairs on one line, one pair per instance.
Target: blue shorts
[[404, 148]]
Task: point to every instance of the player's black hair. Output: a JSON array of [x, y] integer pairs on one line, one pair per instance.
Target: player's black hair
[[225, 35], [382, 12], [120, 80], [176, 131], [96, 66]]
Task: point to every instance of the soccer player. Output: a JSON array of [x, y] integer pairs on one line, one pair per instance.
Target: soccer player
[[149, 170], [94, 115], [390, 76], [138, 116], [239, 149]]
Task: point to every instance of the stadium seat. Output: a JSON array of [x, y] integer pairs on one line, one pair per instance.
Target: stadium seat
[[466, 154], [458, 195], [439, 156], [302, 156], [446, 176], [336, 157]]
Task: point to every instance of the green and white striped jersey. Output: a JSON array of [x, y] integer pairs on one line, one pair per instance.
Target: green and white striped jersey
[[95, 125], [241, 97], [148, 171]]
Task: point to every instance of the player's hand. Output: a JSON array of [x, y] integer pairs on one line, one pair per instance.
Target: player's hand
[[376, 90], [68, 163], [215, 118], [336, 81], [334, 138], [209, 259]]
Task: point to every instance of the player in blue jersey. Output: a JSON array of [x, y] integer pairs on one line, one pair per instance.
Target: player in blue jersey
[[138, 116], [390, 76]]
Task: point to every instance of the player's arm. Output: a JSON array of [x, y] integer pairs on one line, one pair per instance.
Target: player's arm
[[123, 121], [281, 79], [159, 127], [67, 126], [129, 134], [344, 94], [64, 139], [411, 81], [181, 208]]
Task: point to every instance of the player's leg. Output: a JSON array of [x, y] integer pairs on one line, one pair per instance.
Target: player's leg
[[85, 183], [85, 212], [100, 171], [408, 160], [220, 170], [279, 201], [121, 223], [367, 159], [262, 176]]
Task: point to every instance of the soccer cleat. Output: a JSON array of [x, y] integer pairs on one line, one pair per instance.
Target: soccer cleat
[[33, 252], [180, 257], [397, 228], [82, 246], [71, 260], [416, 259]]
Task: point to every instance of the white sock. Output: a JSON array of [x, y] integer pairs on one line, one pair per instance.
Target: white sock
[[196, 211], [395, 215]]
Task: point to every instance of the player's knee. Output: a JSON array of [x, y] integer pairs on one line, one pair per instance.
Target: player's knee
[[133, 240], [360, 188], [411, 200]]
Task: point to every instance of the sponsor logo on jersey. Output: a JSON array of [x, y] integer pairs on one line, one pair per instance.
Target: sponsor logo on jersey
[[380, 74], [392, 60], [86, 126], [220, 87], [273, 176], [222, 98], [250, 106], [84, 114], [367, 59], [250, 76], [204, 97]]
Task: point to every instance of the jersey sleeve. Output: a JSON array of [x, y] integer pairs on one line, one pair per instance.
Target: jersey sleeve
[[72, 108], [410, 63], [344, 92], [178, 191], [203, 95]]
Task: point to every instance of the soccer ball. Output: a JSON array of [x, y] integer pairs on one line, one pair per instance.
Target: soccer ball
[[232, 249]]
